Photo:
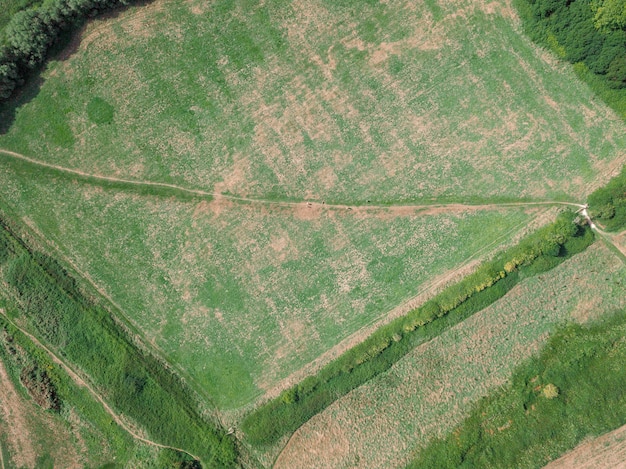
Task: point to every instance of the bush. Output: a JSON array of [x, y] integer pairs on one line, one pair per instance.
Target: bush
[[608, 204]]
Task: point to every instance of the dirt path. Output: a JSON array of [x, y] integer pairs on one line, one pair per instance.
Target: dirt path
[[82, 383], [399, 209]]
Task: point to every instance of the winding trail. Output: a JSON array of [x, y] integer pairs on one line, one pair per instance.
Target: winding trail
[[82, 383], [456, 207]]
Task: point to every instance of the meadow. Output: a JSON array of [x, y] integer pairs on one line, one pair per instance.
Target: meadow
[[321, 140], [310, 100], [428, 392], [42, 298], [239, 296]]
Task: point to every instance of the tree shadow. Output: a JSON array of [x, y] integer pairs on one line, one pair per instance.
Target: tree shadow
[[66, 45]]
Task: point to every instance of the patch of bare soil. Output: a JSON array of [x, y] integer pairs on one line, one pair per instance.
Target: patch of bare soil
[[606, 451], [13, 413]]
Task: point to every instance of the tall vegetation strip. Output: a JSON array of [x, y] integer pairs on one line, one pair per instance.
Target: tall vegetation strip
[[85, 334], [607, 204], [537, 253], [573, 389], [588, 33]]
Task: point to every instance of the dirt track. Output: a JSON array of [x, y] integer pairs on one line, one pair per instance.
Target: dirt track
[[404, 209]]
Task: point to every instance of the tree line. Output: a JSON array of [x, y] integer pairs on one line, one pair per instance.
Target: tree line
[[30, 33], [592, 32]]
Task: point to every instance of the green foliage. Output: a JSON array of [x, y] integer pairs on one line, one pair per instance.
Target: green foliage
[[85, 334], [608, 204], [582, 31], [99, 111], [33, 28], [572, 390], [387, 345], [609, 14]]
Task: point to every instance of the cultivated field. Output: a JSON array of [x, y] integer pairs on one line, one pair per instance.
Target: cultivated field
[[384, 104], [428, 392]]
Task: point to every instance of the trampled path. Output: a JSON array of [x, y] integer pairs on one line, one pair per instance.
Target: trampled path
[[452, 206], [84, 384]]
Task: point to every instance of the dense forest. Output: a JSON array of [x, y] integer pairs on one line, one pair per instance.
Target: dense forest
[[29, 33], [591, 32]]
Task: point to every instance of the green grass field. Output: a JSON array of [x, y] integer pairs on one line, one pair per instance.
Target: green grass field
[[429, 391], [290, 101], [245, 297], [316, 100]]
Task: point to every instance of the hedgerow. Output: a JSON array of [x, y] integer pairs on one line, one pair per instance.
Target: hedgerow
[[536, 253]]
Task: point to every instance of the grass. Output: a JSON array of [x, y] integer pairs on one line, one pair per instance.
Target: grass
[[82, 431], [431, 389], [373, 106], [47, 300], [257, 292], [569, 391], [292, 101], [267, 113], [536, 253], [603, 451]]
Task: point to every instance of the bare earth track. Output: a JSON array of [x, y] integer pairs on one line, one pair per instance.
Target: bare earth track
[[445, 207]]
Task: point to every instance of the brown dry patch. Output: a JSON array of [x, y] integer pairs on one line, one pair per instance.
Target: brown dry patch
[[13, 411], [606, 451], [199, 7], [324, 437]]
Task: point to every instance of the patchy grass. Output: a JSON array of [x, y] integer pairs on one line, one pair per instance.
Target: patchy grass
[[428, 392], [323, 101], [299, 100], [608, 450], [241, 296]]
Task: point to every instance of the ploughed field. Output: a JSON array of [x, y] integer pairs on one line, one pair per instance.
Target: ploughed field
[[397, 104]]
